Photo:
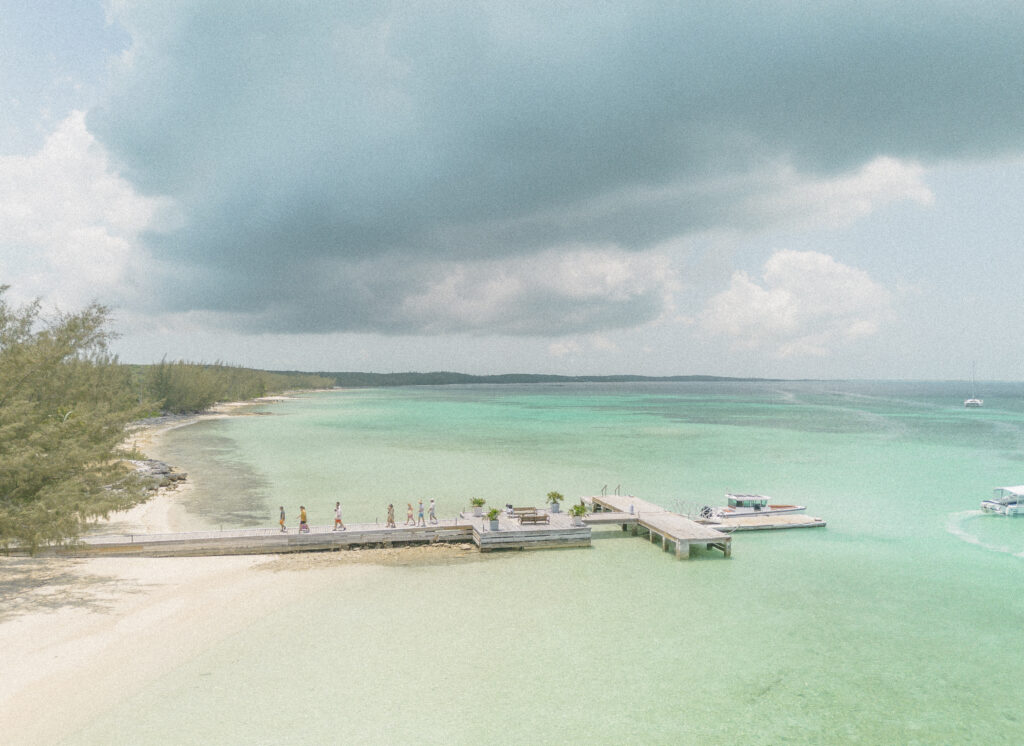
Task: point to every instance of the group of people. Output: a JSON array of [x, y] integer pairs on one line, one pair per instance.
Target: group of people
[[409, 520], [339, 525]]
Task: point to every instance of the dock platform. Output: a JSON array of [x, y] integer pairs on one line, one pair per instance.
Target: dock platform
[[557, 531], [767, 522], [674, 529]]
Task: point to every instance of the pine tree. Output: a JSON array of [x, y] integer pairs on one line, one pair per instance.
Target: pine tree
[[64, 404]]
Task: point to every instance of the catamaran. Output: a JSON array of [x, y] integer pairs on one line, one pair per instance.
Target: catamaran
[[1005, 501]]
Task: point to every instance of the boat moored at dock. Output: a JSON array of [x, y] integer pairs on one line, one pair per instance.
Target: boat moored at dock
[[1005, 501]]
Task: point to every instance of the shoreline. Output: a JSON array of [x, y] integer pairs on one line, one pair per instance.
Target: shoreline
[[117, 623], [80, 636], [163, 512]]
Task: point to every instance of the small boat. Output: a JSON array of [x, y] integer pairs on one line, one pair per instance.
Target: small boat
[[744, 505], [974, 402], [1005, 501]]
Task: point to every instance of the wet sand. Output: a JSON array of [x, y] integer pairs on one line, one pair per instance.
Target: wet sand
[[78, 635]]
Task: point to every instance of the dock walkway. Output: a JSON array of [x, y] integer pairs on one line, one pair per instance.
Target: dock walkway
[[560, 530], [673, 528]]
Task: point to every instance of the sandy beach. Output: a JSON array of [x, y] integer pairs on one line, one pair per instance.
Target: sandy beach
[[80, 634]]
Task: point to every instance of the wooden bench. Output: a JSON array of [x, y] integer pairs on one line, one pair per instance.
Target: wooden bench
[[517, 512], [533, 518]]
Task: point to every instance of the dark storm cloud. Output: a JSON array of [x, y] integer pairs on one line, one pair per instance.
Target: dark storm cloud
[[326, 158]]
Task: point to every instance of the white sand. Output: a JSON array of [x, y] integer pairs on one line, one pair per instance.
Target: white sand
[[76, 636]]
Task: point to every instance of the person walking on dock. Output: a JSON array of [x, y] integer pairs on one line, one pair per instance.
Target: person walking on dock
[[408, 516], [432, 514], [281, 521], [337, 517], [303, 526], [419, 520], [391, 516]]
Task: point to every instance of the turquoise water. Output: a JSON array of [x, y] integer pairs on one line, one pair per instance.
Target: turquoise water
[[896, 624]]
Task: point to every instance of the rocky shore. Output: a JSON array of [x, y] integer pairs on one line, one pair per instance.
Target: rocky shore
[[156, 473]]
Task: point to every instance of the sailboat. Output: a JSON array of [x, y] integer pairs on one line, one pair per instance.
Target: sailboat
[[974, 401]]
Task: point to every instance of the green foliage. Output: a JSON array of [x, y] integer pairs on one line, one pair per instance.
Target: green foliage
[[493, 514], [181, 387], [64, 403], [555, 497], [579, 509], [477, 502]]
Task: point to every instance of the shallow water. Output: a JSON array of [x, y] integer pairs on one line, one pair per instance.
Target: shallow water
[[895, 624]]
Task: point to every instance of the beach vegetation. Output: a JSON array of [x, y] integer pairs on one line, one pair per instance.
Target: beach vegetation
[[181, 387], [64, 404]]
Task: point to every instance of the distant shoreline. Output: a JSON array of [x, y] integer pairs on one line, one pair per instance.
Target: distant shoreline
[[350, 379]]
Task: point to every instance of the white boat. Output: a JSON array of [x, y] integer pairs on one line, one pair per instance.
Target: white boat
[[744, 505], [1005, 501], [974, 402]]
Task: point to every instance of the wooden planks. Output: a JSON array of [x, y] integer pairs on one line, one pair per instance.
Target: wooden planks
[[673, 528], [558, 532], [264, 541]]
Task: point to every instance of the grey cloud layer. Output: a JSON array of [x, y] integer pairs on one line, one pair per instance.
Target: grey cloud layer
[[354, 149]]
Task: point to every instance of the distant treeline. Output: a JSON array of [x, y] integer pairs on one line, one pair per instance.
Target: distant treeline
[[443, 378], [181, 387]]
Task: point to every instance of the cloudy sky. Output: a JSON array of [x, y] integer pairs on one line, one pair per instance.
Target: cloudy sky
[[779, 189]]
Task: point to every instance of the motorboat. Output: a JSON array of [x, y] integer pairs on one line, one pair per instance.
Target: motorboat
[[744, 505], [1005, 501]]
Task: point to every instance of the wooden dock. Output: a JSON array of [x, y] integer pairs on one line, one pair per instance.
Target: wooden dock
[[557, 531], [265, 540], [674, 529]]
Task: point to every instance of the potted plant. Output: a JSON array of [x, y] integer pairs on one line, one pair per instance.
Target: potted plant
[[492, 516], [554, 498], [478, 505], [577, 512]]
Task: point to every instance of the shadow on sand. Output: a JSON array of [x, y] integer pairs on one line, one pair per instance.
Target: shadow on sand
[[32, 584]]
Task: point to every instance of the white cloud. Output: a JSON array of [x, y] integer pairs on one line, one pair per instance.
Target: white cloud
[[577, 290], [807, 304], [69, 226], [838, 201]]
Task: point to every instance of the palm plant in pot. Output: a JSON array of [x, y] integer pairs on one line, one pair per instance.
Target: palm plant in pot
[[492, 516], [555, 498], [478, 505], [577, 512]]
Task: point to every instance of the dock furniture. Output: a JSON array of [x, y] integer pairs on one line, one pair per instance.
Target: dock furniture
[[533, 518]]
